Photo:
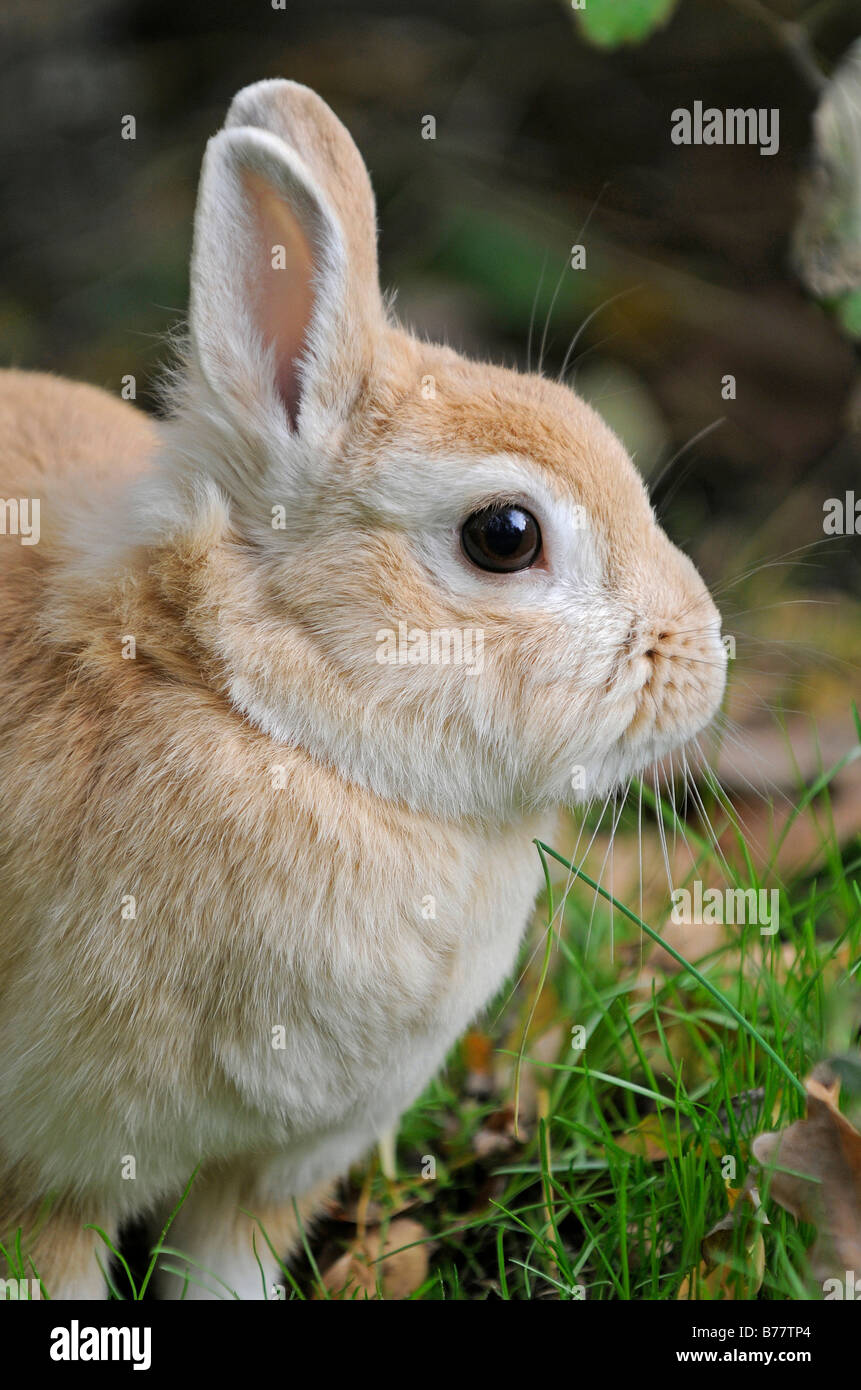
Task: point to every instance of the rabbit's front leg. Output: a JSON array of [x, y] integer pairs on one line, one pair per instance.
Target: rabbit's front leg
[[227, 1230], [52, 1243]]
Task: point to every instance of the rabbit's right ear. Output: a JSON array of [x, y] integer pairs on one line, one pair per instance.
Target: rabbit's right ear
[[285, 306]]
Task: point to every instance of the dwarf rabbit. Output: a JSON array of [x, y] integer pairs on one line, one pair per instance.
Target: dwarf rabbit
[[289, 684]]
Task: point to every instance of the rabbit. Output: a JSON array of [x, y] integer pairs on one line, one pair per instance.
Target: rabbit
[[266, 849]]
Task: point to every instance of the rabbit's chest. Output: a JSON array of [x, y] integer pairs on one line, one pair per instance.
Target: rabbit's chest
[[356, 1026]]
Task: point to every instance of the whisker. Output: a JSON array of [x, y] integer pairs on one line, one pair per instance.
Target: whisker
[[532, 314], [581, 357], [774, 562], [743, 745], [572, 875], [734, 817], [585, 324], [701, 434], [558, 287], [708, 827], [661, 831], [603, 865], [640, 861]]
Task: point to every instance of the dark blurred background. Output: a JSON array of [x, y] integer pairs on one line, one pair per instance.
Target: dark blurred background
[[539, 133]]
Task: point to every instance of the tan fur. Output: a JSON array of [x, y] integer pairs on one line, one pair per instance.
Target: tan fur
[[60, 1247], [283, 806]]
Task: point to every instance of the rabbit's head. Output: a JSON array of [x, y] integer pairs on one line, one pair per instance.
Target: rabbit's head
[[441, 578]]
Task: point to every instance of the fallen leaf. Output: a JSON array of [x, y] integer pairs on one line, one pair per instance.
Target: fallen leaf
[[401, 1271], [353, 1210], [478, 1056], [496, 1135], [719, 1275], [649, 1139], [816, 1176]]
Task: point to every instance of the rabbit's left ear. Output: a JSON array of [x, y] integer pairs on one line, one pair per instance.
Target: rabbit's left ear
[[285, 301]]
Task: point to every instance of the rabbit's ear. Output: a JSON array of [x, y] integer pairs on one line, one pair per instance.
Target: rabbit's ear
[[285, 300]]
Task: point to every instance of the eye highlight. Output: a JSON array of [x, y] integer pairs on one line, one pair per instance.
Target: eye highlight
[[502, 538]]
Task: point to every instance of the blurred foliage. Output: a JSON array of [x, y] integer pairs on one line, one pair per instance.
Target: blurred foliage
[[827, 238]]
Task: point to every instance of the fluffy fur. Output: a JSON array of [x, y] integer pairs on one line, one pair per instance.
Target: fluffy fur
[[281, 805]]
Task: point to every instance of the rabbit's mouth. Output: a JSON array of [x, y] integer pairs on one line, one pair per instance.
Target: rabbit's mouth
[[670, 677], [680, 692], [668, 687], [677, 700]]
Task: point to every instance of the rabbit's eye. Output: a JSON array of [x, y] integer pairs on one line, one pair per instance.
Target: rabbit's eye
[[502, 539]]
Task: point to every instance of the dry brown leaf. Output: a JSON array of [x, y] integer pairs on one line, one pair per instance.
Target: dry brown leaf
[[496, 1136], [353, 1210], [401, 1271], [816, 1176], [477, 1050], [717, 1275], [648, 1140]]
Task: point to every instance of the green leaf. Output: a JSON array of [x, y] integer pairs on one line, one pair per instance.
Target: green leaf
[[609, 23]]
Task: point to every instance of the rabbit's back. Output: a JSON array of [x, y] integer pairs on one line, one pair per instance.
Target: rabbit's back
[[57, 434]]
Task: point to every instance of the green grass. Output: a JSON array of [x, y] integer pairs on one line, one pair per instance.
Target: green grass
[[702, 1061], [715, 1055]]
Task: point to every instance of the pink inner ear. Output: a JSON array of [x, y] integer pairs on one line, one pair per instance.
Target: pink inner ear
[[282, 295]]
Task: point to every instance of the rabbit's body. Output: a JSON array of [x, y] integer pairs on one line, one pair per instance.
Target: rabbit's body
[[160, 1036], [257, 873]]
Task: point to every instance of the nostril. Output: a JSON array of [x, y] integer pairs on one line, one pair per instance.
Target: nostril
[[663, 636]]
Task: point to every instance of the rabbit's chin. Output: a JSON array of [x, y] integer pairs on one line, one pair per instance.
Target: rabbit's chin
[[612, 773]]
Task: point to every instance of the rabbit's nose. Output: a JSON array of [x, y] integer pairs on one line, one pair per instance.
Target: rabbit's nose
[[657, 641]]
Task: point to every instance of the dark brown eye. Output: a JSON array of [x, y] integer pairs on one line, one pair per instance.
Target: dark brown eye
[[502, 539]]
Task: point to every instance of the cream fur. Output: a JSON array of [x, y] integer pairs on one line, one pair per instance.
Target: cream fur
[[280, 804]]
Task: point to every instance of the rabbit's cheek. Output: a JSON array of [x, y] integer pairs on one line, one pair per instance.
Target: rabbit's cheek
[[630, 678]]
